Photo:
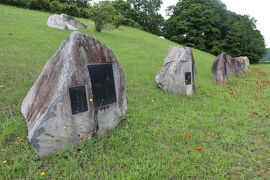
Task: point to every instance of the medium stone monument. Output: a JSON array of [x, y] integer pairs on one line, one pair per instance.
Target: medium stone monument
[[178, 73], [233, 66], [64, 22], [225, 65], [220, 69], [79, 94]]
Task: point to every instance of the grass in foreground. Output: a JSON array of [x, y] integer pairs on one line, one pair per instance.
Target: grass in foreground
[[162, 134]]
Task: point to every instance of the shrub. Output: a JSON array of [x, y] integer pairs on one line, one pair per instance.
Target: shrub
[[43, 5], [18, 3], [71, 9], [55, 6], [84, 12], [118, 20], [102, 14]]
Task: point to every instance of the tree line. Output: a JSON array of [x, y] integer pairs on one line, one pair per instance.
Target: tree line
[[267, 57], [207, 25], [203, 24]]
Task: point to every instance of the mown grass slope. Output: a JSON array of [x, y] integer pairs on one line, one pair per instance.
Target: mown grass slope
[[229, 123]]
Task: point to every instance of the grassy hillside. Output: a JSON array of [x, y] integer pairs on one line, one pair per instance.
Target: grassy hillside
[[230, 123]]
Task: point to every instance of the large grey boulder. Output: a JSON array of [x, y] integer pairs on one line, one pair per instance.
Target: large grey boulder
[[79, 94], [178, 73], [65, 22]]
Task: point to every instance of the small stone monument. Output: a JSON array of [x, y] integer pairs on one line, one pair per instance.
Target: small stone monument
[[64, 22], [80, 93], [236, 66], [178, 73], [241, 66], [244, 59], [220, 69]]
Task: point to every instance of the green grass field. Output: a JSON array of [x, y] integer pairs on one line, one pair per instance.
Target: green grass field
[[151, 142]]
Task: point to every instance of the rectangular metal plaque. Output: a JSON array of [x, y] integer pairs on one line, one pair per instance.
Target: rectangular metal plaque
[[225, 69], [78, 99], [188, 78], [103, 86]]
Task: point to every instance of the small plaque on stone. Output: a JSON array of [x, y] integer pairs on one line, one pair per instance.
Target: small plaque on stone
[[78, 99], [188, 78]]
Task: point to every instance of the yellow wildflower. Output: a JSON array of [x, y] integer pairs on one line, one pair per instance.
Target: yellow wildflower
[[5, 162], [42, 173]]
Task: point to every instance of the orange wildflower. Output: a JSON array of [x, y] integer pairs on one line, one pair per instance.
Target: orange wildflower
[[212, 134], [198, 149], [82, 137], [187, 136], [20, 139], [17, 102], [175, 157]]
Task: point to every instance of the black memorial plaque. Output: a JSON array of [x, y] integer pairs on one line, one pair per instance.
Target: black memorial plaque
[[102, 81], [188, 78], [225, 69], [78, 99]]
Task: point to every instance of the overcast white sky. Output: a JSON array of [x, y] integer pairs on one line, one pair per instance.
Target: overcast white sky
[[258, 9]]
